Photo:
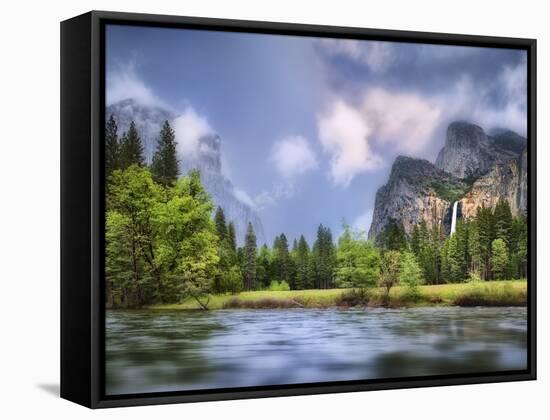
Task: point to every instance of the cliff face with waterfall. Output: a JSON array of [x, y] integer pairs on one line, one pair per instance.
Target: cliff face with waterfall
[[473, 169]]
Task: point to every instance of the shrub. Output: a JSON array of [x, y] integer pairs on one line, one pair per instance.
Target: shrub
[[276, 286], [353, 297]]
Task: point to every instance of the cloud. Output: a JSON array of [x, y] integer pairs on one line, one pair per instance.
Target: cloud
[[293, 156], [270, 198], [406, 121], [363, 221], [469, 101], [376, 55], [344, 134], [189, 127], [124, 83], [243, 196]]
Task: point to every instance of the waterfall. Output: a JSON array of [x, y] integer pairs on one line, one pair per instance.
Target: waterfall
[[453, 220]]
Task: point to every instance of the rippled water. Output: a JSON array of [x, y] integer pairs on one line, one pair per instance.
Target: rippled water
[[153, 351]]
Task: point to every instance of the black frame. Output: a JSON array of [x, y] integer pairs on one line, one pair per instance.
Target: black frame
[[82, 207]]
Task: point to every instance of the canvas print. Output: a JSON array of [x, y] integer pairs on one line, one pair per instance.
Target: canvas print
[[286, 210]]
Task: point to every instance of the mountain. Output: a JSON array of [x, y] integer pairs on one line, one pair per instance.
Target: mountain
[[472, 168], [148, 120], [416, 191], [469, 152], [207, 159]]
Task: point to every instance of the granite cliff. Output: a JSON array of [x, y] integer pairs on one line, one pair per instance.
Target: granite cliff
[[472, 168]]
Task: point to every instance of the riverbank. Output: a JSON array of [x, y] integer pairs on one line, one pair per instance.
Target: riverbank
[[493, 293]]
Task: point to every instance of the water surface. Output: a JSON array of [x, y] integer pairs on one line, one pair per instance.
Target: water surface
[[154, 351]]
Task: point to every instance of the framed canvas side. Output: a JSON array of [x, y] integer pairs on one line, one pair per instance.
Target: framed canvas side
[[83, 204]]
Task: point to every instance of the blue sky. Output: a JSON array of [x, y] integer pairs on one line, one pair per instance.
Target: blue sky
[[309, 126]]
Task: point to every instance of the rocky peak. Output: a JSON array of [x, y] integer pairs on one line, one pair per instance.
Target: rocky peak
[[469, 152]]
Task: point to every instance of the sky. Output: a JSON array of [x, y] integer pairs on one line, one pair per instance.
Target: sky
[[311, 126]]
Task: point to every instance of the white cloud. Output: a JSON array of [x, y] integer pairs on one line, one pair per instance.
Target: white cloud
[[270, 198], [406, 121], [344, 134], [124, 83], [189, 127], [293, 156], [364, 220], [466, 100], [376, 55], [243, 196]]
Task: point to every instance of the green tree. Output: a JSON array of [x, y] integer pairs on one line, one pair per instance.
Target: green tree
[[390, 267], [263, 266], [410, 273], [232, 280], [250, 258], [500, 257], [133, 198], [164, 166], [303, 275], [324, 258], [393, 237], [485, 236], [281, 259], [503, 221], [357, 261], [131, 149], [111, 147], [221, 227]]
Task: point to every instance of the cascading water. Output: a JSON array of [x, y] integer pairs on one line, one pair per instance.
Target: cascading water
[[453, 220]]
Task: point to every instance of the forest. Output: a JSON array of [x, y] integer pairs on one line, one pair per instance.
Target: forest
[[166, 241]]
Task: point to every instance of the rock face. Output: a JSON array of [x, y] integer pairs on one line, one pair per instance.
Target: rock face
[[207, 160], [472, 168], [148, 120], [416, 191], [469, 152]]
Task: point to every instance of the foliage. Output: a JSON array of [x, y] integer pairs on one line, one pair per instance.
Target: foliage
[[164, 166], [250, 258], [410, 273], [357, 261], [278, 286], [389, 271], [131, 149], [448, 191]]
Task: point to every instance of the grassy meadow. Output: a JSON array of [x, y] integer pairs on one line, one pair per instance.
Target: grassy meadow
[[493, 293]]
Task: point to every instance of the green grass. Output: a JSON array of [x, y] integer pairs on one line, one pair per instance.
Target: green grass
[[493, 293]]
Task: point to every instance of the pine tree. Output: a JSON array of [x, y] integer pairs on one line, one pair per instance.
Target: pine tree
[[164, 166], [221, 227], [111, 147], [485, 235], [250, 258], [503, 221], [499, 259], [131, 148], [324, 258], [302, 265], [232, 241], [281, 259], [263, 266]]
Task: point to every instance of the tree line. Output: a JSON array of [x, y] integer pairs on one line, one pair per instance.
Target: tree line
[[166, 241]]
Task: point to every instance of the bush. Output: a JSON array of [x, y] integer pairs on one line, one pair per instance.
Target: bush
[[353, 297], [276, 286]]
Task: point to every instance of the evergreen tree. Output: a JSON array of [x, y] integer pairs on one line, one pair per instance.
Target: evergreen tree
[[263, 266], [164, 166], [281, 259], [303, 275], [324, 258], [499, 259], [357, 261], [111, 147], [221, 227], [410, 274], [232, 242], [485, 236], [393, 237], [250, 258], [503, 221], [131, 148]]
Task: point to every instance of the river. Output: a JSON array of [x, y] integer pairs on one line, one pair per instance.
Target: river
[[154, 351]]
